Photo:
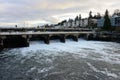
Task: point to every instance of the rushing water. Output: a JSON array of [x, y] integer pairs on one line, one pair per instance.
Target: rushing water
[[83, 60]]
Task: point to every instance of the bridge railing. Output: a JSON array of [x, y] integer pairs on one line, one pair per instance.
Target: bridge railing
[[42, 29]]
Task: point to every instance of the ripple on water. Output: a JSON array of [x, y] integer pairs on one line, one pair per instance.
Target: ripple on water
[[83, 60]]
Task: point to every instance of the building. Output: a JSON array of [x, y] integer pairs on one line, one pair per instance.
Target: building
[[92, 22], [100, 22], [115, 21], [84, 22], [69, 23], [73, 24], [77, 22], [65, 24], [57, 26]]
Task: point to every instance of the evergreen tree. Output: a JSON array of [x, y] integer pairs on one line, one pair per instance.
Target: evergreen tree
[[80, 17], [95, 16], [77, 18], [70, 21], [90, 14], [15, 26], [89, 19], [98, 15], [107, 23]]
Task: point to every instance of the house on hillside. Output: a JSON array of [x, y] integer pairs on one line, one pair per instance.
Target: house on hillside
[[115, 21], [84, 22]]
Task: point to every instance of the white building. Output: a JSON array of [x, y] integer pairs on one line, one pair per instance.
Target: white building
[[94, 21], [73, 24], [69, 23], [100, 22], [115, 21], [84, 22], [77, 23], [65, 24], [58, 26]]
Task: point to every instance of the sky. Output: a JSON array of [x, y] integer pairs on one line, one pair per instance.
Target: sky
[[29, 13]]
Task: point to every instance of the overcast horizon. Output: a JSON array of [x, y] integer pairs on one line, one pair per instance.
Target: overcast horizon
[[38, 12]]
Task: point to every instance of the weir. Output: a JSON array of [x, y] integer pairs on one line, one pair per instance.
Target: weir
[[22, 39]]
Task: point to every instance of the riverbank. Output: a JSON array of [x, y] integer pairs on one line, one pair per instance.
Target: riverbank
[[105, 36]]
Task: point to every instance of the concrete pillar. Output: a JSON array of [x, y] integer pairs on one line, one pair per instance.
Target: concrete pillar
[[62, 38], [27, 40], [75, 38], [2, 42], [89, 36], [47, 39]]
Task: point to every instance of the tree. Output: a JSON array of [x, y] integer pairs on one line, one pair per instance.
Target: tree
[[15, 26], [95, 17], [107, 24], [38, 26], [77, 18], [80, 17], [117, 12], [89, 19], [46, 26], [90, 14], [98, 15], [70, 22], [64, 21]]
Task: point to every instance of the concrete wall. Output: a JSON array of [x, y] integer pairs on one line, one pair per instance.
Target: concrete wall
[[14, 41]]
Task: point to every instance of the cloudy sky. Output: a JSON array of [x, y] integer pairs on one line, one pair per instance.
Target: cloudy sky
[[39, 12]]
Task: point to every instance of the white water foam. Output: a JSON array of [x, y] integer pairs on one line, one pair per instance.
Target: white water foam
[[86, 49], [106, 72]]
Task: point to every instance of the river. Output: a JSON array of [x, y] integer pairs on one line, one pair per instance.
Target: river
[[82, 60]]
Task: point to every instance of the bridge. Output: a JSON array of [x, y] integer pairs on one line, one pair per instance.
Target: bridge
[[20, 29], [22, 39]]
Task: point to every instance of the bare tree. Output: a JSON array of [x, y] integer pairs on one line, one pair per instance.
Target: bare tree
[[117, 12]]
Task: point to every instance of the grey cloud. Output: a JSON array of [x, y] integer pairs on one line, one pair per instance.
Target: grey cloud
[[29, 10]]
